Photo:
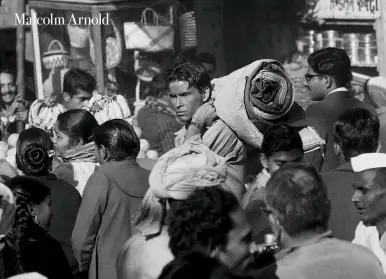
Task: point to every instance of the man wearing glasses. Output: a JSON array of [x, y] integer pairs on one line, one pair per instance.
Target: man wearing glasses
[[327, 79]]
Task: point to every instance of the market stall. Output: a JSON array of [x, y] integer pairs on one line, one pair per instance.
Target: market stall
[[90, 35]]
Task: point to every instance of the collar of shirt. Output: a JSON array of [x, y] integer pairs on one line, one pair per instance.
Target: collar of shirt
[[317, 238], [369, 238], [338, 89]]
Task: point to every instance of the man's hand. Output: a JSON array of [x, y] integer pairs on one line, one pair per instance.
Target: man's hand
[[205, 115], [22, 115]]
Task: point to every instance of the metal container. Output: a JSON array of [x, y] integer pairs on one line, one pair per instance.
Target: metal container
[[351, 45], [331, 38], [367, 49]]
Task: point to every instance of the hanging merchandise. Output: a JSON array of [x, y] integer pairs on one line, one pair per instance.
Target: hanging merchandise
[[149, 37], [109, 106], [78, 34], [113, 48], [145, 68], [55, 57], [188, 29]]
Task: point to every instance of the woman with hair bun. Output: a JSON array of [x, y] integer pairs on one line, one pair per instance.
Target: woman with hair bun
[[34, 157], [111, 197], [74, 145], [38, 251]]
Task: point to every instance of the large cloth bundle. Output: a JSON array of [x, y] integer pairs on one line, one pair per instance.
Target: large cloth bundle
[[256, 96], [176, 175]]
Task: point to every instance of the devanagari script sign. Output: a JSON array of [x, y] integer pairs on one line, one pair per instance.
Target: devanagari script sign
[[348, 9]]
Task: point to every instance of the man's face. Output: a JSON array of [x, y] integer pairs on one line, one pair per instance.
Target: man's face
[[315, 84], [79, 100], [210, 68], [186, 100], [8, 88], [237, 250], [369, 196], [278, 159]]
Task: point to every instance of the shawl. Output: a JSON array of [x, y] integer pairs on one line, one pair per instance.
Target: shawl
[[176, 175], [84, 153]]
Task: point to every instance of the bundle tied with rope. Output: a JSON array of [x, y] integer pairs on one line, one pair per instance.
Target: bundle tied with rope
[[261, 94]]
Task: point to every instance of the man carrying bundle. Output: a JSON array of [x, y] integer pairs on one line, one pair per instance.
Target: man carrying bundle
[[190, 93]]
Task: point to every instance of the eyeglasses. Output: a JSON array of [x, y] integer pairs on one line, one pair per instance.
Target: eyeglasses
[[308, 77]]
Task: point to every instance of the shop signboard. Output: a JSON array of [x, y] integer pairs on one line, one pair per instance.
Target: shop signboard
[[347, 9]]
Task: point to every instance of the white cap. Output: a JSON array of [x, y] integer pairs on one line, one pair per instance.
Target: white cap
[[368, 161]]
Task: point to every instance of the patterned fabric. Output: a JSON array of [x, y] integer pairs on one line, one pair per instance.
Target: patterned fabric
[[85, 153], [176, 175], [158, 122], [271, 93]]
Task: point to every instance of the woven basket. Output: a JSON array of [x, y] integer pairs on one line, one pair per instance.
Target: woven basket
[[113, 48], [55, 58], [78, 34], [188, 29]]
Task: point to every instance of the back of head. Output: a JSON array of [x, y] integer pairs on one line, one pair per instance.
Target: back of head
[[357, 132], [34, 152], [333, 62], [77, 79], [157, 87], [119, 138], [298, 195], [281, 138], [77, 124], [206, 57], [193, 73], [202, 221], [194, 265]]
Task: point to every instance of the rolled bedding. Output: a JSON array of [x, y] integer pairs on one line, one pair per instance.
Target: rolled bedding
[[251, 99]]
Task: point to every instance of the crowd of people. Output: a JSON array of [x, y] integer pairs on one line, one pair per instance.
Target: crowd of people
[[80, 203]]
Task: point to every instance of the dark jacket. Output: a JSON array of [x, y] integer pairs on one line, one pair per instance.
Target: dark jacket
[[322, 117], [112, 196], [344, 218], [65, 205], [43, 254]]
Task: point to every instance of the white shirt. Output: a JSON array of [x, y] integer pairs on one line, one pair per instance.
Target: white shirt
[[369, 238], [338, 89]]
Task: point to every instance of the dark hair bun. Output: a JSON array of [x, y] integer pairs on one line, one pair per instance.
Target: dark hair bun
[[35, 160]]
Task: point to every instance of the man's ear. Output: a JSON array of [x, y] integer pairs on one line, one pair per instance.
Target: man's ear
[[337, 149], [206, 95], [263, 160], [103, 152], [66, 97], [329, 81]]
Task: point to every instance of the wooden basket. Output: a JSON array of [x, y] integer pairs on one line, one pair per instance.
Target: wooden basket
[[55, 58], [113, 48]]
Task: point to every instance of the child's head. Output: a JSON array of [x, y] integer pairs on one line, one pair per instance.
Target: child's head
[[115, 140], [281, 144], [78, 87], [34, 152], [72, 129]]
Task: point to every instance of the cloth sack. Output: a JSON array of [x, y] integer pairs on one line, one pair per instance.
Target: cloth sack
[[149, 37], [256, 96], [176, 175]]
